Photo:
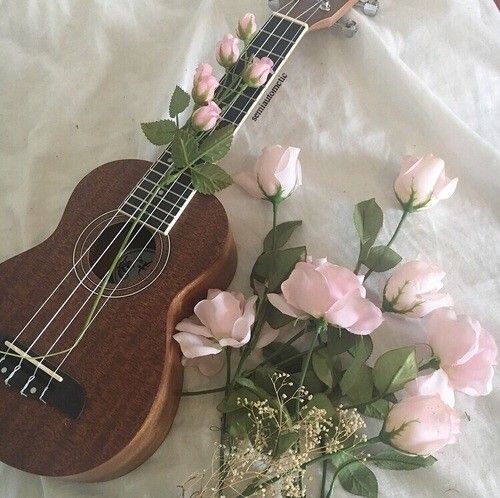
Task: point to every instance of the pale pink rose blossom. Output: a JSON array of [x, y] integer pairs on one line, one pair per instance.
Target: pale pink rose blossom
[[247, 27], [257, 72], [206, 117], [223, 319], [422, 424], [466, 351], [412, 289], [436, 382], [322, 290], [204, 84], [227, 52], [277, 173], [209, 365], [422, 183]]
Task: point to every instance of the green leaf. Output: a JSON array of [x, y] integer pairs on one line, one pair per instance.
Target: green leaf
[[209, 178], [274, 267], [287, 357], [311, 382], [239, 423], [368, 220], [276, 318], [394, 460], [283, 233], [394, 369], [359, 480], [217, 145], [179, 101], [231, 404], [378, 409], [339, 340], [381, 258], [184, 149], [323, 367], [159, 132], [357, 382], [363, 347], [170, 177], [321, 401], [285, 441]]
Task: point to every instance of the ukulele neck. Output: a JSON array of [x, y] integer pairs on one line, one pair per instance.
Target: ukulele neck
[[160, 208]]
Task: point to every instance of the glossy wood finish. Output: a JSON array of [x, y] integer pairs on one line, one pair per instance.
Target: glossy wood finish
[[127, 363]]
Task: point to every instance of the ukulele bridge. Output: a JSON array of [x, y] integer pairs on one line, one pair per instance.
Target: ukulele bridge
[[39, 379]]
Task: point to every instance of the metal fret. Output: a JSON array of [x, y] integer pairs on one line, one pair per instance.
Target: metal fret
[[276, 41]]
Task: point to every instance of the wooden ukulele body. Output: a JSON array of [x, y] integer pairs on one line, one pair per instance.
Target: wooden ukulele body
[[127, 362]]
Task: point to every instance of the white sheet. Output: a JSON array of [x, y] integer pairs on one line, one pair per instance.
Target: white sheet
[[78, 77]]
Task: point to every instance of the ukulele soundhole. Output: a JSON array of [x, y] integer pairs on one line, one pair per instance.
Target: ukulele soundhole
[[145, 255]]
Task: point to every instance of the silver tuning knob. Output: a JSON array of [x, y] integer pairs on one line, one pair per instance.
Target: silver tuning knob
[[369, 7], [347, 27], [274, 5]]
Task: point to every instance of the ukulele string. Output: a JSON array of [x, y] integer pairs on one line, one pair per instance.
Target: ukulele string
[[138, 256], [73, 268]]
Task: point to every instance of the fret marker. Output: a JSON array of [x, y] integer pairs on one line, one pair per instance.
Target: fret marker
[[161, 192]]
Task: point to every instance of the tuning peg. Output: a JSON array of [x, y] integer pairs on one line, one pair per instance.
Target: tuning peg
[[369, 7], [346, 26], [274, 5]]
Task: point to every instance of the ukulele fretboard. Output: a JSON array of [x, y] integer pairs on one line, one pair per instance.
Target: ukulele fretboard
[[275, 40]]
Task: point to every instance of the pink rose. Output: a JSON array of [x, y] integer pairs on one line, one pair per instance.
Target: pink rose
[[206, 117], [204, 84], [467, 353], [435, 383], [247, 27], [412, 290], [322, 290], [227, 52], [422, 183], [257, 72], [223, 319], [277, 173], [421, 424]]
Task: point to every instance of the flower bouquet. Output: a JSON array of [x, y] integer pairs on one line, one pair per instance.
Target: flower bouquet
[[301, 379]]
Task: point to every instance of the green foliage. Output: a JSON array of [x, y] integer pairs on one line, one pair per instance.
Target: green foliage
[[321, 401], [357, 382], [368, 220], [339, 340], [239, 423], [217, 144], [273, 267], [324, 367], [358, 479], [276, 319], [179, 102], [311, 382], [394, 369], [184, 149], [285, 441], [394, 460], [381, 258], [209, 178], [287, 359], [283, 233], [378, 409], [159, 132], [231, 404]]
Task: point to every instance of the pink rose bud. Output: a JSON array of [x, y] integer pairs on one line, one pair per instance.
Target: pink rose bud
[[247, 27], [413, 290], [422, 183], [421, 425], [321, 290], [228, 51], [206, 117], [277, 173], [435, 383], [257, 72], [204, 84], [222, 319], [466, 351]]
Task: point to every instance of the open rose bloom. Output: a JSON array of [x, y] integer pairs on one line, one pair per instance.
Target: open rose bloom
[[320, 289]]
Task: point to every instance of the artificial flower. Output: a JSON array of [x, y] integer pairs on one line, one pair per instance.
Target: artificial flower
[[247, 27], [436, 382], [228, 51], [421, 424], [257, 72], [422, 183], [222, 319], [322, 290], [206, 117], [413, 289], [466, 352], [204, 84], [277, 173]]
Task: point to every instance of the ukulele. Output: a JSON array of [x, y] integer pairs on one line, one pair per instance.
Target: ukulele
[[103, 407]]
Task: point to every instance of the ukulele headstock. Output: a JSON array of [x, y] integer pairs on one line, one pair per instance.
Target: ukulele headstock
[[319, 14]]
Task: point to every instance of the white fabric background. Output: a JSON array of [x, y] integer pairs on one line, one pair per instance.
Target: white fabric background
[[77, 78]]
